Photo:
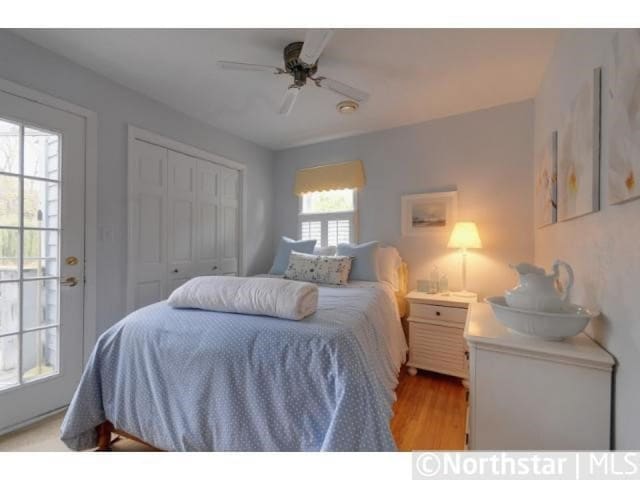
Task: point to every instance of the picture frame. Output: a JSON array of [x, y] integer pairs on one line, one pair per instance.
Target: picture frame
[[428, 213]]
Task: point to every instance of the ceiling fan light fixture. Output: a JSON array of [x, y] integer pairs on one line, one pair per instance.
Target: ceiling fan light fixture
[[347, 106]]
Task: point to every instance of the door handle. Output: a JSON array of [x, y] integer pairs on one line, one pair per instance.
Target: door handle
[[69, 282]]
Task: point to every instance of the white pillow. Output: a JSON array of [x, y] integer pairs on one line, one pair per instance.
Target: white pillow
[[318, 268], [389, 261], [327, 251]]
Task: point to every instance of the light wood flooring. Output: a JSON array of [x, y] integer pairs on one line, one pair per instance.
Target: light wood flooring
[[428, 415]]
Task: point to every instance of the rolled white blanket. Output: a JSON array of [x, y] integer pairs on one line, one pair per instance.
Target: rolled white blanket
[[273, 297]]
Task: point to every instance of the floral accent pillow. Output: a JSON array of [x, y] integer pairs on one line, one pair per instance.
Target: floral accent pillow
[[318, 268]]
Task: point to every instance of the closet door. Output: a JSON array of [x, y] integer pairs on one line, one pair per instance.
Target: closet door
[[149, 175], [181, 221], [208, 217], [229, 225]]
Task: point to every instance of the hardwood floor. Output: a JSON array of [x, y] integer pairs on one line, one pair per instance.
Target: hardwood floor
[[430, 412]]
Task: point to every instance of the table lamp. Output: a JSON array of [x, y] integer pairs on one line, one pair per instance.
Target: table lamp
[[464, 235]]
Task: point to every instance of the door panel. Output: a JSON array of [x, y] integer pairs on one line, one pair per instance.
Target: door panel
[[181, 221], [41, 225], [228, 236], [149, 272]]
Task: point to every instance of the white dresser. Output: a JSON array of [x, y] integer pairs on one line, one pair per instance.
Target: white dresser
[[436, 326], [531, 394]]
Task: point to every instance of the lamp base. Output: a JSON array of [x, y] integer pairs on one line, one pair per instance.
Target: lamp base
[[463, 293]]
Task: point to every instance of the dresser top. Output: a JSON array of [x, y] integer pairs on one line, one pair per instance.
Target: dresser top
[[444, 299], [484, 330]]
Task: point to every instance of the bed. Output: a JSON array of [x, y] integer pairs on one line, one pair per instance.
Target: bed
[[194, 380]]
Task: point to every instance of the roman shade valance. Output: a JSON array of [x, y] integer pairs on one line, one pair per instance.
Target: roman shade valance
[[330, 177]]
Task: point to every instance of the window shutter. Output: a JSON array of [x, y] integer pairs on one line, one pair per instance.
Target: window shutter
[[339, 231], [311, 231]]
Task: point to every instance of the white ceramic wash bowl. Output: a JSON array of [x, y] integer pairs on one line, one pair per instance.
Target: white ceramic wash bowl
[[549, 326]]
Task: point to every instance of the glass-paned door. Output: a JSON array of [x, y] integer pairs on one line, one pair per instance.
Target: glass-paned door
[[41, 221]]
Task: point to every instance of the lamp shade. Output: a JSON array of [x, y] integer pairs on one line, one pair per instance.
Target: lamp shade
[[465, 235]]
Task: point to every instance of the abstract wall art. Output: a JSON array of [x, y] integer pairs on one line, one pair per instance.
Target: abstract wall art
[[579, 153], [624, 117], [547, 182]]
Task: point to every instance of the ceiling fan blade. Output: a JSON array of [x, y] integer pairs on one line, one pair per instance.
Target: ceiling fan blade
[[250, 67], [289, 100], [314, 43], [342, 88]]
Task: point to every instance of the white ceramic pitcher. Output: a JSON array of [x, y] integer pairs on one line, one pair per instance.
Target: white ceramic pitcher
[[537, 291]]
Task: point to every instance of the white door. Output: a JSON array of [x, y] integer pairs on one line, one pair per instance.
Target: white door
[[184, 221], [229, 212], [41, 258], [148, 173], [181, 222], [208, 211]]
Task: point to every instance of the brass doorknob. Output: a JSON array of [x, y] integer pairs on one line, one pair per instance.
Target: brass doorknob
[[71, 261], [69, 282]]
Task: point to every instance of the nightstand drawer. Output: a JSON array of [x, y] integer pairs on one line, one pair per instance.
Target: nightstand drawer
[[437, 312]]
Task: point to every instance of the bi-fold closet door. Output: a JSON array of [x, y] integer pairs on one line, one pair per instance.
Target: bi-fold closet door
[[185, 221]]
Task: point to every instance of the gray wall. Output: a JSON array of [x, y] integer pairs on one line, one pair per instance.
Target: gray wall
[[486, 154], [32, 66], [602, 247]]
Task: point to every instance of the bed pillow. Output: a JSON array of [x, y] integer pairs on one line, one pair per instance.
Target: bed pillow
[[329, 250], [286, 246], [389, 261], [365, 260], [318, 268]]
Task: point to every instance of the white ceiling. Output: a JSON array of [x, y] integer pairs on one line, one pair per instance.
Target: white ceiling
[[412, 75]]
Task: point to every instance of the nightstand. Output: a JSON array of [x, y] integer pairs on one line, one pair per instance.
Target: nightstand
[[436, 328]]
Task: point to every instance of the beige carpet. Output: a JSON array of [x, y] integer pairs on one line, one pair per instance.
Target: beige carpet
[[43, 436]]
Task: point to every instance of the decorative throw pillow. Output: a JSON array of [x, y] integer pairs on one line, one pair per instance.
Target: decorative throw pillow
[[285, 248], [365, 260], [318, 268]]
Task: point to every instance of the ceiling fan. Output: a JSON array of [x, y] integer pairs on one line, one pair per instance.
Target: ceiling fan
[[301, 62]]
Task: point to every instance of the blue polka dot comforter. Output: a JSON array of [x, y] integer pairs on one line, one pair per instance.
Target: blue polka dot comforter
[[194, 380]]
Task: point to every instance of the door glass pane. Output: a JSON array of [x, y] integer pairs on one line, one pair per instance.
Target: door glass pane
[[40, 253], [9, 201], [9, 307], [39, 353], [40, 153], [9, 252], [9, 147], [29, 265], [40, 203], [39, 303], [8, 361]]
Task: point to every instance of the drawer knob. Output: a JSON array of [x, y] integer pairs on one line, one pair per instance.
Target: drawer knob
[[437, 313], [175, 270]]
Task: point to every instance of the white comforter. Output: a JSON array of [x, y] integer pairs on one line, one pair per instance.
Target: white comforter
[[273, 297]]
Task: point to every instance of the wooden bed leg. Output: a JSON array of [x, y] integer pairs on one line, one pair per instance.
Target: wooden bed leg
[[104, 437]]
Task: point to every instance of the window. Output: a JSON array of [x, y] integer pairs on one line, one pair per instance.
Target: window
[[328, 216]]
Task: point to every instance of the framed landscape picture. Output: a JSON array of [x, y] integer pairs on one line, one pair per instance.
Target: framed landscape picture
[[428, 213]]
